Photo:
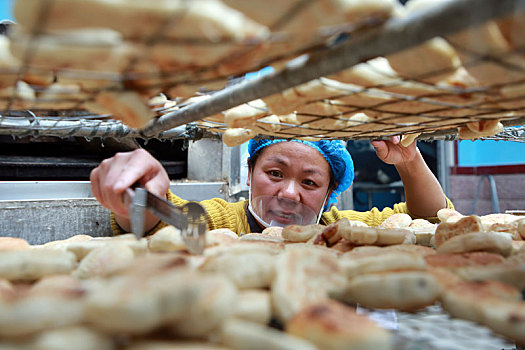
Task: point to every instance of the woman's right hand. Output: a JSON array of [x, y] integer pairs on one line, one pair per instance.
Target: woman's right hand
[[114, 175]]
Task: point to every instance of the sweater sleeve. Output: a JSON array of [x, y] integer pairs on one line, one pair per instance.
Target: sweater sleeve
[[373, 217], [221, 214]]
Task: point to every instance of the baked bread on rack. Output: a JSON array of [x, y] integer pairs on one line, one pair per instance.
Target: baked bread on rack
[[128, 291]]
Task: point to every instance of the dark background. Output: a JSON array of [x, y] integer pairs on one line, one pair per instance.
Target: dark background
[[73, 158], [370, 170]]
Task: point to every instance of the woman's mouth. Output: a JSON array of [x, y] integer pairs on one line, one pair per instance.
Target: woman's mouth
[[274, 211], [284, 217]]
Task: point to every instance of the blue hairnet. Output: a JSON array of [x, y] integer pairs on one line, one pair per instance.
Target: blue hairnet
[[335, 154]]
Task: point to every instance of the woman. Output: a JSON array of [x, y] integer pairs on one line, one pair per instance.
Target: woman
[[291, 181]]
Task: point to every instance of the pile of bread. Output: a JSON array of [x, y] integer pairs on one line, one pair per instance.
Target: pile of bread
[[115, 56], [137, 59], [463, 81], [285, 288]]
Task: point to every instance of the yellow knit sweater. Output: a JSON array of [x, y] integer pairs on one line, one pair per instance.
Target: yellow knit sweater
[[223, 214]]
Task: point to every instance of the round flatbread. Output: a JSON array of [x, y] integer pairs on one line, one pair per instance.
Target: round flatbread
[[494, 242], [333, 325], [402, 290]]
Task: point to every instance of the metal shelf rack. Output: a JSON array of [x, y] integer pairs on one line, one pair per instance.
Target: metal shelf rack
[[315, 60]]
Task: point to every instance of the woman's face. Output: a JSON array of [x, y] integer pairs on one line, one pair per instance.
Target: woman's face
[[289, 171]]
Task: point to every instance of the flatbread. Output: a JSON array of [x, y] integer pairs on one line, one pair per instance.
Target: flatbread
[[493, 242], [452, 261], [254, 305], [509, 272], [58, 285], [212, 304], [245, 115], [410, 248], [333, 325], [81, 246], [29, 265], [166, 239], [7, 290], [301, 233], [259, 237], [381, 262], [447, 230], [81, 49], [447, 214], [13, 243], [273, 231], [490, 303], [304, 276], [173, 345], [427, 62], [402, 290], [399, 220], [104, 261], [387, 237], [360, 235], [80, 337], [237, 136], [240, 334], [127, 106], [36, 313], [464, 299], [247, 267], [189, 20]]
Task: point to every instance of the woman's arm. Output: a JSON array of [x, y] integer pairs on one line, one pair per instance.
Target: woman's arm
[[423, 192], [114, 175]]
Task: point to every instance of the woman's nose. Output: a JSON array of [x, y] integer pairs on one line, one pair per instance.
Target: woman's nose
[[290, 190]]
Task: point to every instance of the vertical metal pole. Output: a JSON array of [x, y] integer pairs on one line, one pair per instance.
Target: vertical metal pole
[[494, 194], [442, 165], [235, 168]]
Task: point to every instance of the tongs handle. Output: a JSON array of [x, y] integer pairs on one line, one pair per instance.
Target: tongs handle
[[190, 218], [194, 233], [136, 201]]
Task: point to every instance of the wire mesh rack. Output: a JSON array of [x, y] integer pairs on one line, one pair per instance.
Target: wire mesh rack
[[434, 329], [330, 80], [516, 134]]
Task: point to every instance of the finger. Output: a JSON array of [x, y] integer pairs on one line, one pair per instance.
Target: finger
[[159, 184], [101, 192], [381, 148], [110, 173], [95, 186], [114, 196], [395, 139], [130, 172], [140, 167], [103, 181], [377, 143], [137, 167]]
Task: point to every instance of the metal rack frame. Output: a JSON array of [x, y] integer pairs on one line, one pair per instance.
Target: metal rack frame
[[393, 36]]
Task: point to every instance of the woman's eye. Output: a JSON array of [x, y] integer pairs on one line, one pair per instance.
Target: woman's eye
[[274, 173], [309, 183]]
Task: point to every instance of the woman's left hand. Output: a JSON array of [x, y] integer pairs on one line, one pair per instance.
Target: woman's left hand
[[393, 152]]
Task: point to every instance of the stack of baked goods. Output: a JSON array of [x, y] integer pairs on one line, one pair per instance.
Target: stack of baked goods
[[285, 288], [457, 83], [117, 57], [113, 57]]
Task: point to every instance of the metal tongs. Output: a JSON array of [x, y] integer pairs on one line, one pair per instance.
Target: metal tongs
[[190, 218]]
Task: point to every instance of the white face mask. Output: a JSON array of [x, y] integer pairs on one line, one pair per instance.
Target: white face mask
[[273, 211]]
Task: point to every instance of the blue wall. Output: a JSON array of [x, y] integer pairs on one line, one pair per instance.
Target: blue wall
[[6, 9], [490, 153]]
